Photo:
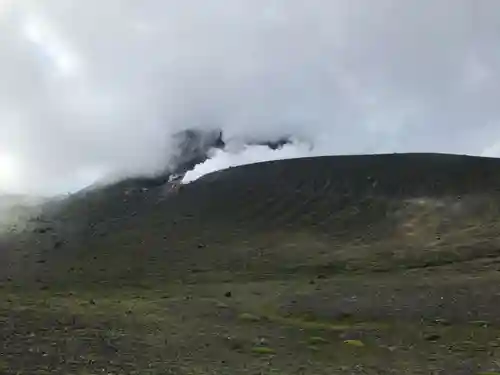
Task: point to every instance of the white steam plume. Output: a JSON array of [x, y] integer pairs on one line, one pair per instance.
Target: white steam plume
[[92, 88], [235, 155]]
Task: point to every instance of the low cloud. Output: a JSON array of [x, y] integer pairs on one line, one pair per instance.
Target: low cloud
[[95, 88]]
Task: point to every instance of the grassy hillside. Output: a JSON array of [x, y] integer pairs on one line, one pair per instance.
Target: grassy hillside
[[348, 264]]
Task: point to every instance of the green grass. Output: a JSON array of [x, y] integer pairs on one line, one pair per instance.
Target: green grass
[[357, 343], [320, 325], [181, 327], [264, 350], [316, 340], [285, 267]]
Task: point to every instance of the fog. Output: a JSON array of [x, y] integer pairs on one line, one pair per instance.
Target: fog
[[92, 88]]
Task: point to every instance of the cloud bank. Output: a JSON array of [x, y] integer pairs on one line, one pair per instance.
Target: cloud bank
[[92, 88]]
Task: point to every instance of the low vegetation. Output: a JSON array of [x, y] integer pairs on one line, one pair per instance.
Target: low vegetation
[[348, 265]]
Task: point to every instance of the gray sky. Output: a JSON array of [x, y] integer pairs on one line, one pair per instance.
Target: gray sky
[[94, 87]]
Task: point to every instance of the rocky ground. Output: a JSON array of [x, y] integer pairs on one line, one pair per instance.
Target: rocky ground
[[340, 265]]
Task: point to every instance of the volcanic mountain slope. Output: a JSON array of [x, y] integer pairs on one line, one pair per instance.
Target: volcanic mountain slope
[[361, 212], [390, 261]]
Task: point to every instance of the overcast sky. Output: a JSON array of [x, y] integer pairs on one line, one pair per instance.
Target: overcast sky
[[91, 87]]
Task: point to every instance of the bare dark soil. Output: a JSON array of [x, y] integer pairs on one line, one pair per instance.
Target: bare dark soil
[[382, 264]]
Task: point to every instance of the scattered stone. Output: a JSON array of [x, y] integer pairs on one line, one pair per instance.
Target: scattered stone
[[480, 323], [249, 317], [221, 305], [442, 322], [432, 337], [344, 316], [43, 230], [262, 341], [235, 343]]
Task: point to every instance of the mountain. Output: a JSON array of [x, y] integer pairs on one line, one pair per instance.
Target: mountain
[[326, 202], [339, 264], [190, 147]]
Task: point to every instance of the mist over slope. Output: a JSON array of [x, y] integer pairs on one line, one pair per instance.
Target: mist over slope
[[15, 210], [389, 250], [168, 257], [96, 89], [192, 148], [354, 209]]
